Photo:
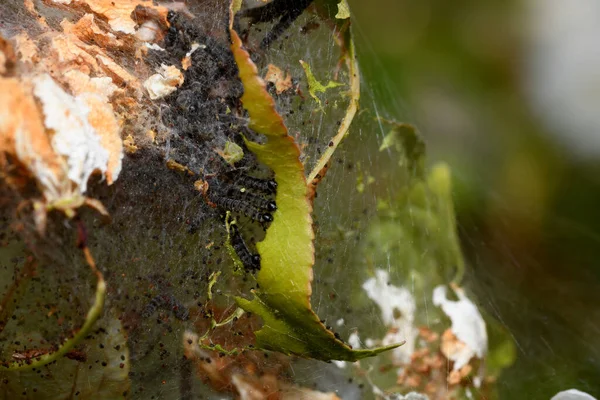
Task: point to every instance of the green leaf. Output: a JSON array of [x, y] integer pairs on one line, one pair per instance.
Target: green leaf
[[417, 227], [287, 252]]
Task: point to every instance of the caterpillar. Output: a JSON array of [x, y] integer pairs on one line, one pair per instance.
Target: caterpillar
[[250, 261], [256, 201], [241, 206]]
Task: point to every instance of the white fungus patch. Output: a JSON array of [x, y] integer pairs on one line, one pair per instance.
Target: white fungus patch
[[467, 325], [572, 394], [164, 82], [73, 137], [398, 308]]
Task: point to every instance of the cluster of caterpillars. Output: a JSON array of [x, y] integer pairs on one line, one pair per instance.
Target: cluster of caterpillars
[[238, 197], [205, 112]]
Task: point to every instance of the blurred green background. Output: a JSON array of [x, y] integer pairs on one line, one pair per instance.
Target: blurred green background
[[499, 90]]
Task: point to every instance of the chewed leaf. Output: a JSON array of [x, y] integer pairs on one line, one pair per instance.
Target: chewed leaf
[[314, 86], [343, 10], [281, 80], [287, 252], [232, 153]]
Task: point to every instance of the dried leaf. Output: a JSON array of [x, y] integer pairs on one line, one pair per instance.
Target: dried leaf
[[87, 30], [22, 133], [117, 13], [276, 76]]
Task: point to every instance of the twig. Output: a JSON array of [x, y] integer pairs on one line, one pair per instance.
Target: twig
[[92, 316]]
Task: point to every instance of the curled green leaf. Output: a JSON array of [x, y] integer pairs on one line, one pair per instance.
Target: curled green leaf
[[290, 325]]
